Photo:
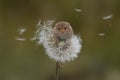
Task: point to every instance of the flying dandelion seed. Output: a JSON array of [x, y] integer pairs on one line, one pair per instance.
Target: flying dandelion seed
[[20, 39], [60, 43], [21, 30], [78, 10], [101, 34], [107, 17]]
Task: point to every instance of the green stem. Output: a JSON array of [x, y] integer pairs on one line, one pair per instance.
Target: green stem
[[57, 70]]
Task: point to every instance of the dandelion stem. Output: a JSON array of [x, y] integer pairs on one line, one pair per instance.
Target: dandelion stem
[[57, 70]]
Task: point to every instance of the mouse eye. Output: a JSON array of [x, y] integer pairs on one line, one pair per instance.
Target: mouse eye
[[59, 28], [65, 28]]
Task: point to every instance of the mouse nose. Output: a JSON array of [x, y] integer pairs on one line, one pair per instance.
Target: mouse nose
[[62, 30]]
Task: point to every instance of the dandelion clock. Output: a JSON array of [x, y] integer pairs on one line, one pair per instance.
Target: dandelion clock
[[59, 41]]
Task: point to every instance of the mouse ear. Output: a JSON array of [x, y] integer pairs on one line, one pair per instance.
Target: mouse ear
[[57, 24]]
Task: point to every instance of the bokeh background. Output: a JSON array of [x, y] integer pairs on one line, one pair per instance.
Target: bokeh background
[[97, 21]]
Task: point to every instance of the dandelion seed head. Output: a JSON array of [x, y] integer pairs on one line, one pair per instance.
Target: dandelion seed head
[[45, 37], [67, 55]]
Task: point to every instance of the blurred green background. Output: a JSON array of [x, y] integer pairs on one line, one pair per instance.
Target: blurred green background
[[97, 21]]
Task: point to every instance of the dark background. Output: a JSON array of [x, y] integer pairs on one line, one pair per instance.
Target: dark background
[[99, 58]]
